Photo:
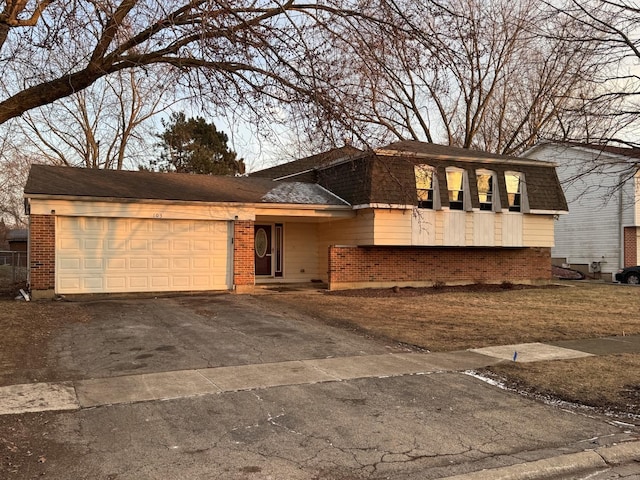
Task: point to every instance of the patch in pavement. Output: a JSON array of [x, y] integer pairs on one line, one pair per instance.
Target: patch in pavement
[[530, 352], [37, 397]]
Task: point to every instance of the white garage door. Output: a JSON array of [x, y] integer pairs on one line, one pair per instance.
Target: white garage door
[[108, 255]]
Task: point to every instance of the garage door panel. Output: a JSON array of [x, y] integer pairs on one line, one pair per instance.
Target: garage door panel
[[94, 224], [115, 282], [160, 282], [116, 263], [117, 245], [96, 255], [93, 284], [68, 283], [92, 244], [70, 244], [160, 263], [139, 263], [180, 246], [139, 282], [136, 244], [203, 262], [160, 245], [180, 263], [93, 264], [180, 282], [70, 264]]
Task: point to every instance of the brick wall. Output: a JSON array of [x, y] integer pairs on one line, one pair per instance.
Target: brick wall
[[356, 266], [42, 252], [630, 246], [243, 255]]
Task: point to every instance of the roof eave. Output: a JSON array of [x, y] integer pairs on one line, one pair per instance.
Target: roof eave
[[467, 158], [299, 206]]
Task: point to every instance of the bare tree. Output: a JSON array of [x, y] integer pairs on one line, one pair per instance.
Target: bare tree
[[14, 168], [467, 73], [102, 126], [240, 50], [612, 25]]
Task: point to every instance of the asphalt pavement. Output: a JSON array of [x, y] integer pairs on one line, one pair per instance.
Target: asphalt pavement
[[241, 392]]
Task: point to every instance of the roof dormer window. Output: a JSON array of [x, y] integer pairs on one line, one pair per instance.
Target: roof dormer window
[[487, 194], [457, 186], [425, 186], [516, 195]]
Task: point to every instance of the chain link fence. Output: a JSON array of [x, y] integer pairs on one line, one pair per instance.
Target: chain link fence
[[13, 268]]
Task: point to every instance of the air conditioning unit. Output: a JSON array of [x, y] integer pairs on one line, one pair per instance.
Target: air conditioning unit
[[595, 267]]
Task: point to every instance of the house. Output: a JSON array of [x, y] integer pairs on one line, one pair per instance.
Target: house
[[600, 234], [17, 240], [408, 214]]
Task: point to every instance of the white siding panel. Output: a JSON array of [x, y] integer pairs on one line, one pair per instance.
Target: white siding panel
[[484, 229], [591, 231], [511, 229], [423, 227], [140, 255], [454, 228]]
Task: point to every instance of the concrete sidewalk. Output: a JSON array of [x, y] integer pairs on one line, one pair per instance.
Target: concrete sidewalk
[[614, 460], [74, 395]]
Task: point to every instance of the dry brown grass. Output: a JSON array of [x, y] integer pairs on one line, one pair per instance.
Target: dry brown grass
[[611, 382], [441, 320], [454, 320]]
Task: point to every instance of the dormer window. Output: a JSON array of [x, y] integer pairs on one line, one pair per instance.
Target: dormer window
[[515, 185], [487, 198], [424, 185], [456, 183]]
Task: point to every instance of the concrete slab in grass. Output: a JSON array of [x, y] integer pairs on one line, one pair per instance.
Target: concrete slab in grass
[[366, 366], [138, 388], [37, 397], [247, 377], [450, 361], [531, 352]]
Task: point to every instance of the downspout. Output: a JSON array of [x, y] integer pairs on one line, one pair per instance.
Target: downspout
[[620, 223]]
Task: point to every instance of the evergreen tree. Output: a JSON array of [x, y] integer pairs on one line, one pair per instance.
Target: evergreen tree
[[192, 145]]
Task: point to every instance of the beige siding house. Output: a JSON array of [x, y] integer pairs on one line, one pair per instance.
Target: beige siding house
[[409, 214]]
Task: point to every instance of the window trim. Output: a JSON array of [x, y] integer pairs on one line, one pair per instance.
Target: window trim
[[521, 194], [465, 203], [434, 202], [494, 206]]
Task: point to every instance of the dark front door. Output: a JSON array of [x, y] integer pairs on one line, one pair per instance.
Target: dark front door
[[262, 248]]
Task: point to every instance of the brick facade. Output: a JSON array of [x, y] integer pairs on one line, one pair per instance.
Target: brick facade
[[630, 246], [243, 256], [355, 267], [42, 252]]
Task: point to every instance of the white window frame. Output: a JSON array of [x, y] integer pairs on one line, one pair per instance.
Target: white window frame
[[495, 192], [522, 192], [464, 189], [419, 170]]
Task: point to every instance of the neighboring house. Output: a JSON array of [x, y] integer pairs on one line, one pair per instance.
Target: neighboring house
[[17, 239], [409, 214], [600, 233]]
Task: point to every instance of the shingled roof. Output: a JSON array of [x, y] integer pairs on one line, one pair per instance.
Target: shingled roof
[[381, 176], [386, 175], [307, 163], [94, 183]]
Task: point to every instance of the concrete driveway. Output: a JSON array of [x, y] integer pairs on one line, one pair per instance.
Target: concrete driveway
[[411, 426]]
